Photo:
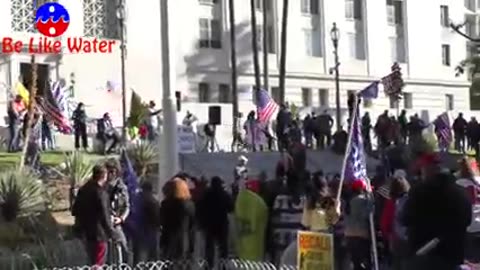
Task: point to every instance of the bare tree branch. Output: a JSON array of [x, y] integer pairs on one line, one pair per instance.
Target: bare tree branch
[[456, 28]]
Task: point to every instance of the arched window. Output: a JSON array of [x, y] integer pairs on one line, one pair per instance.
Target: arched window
[[99, 19]]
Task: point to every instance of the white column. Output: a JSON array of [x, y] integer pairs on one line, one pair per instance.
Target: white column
[[168, 164]]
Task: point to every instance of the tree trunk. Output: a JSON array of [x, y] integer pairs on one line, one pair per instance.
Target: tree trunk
[[31, 108], [283, 53], [265, 45], [233, 62], [256, 64]]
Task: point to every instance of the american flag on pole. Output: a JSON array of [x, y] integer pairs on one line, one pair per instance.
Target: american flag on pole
[[355, 167], [61, 96], [266, 106], [443, 129], [51, 110]]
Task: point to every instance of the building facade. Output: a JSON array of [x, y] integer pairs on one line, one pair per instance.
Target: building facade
[[373, 35]]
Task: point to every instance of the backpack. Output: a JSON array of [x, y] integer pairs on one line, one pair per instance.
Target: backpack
[[399, 230]]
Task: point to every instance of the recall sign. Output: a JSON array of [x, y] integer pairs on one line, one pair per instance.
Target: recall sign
[[315, 251]]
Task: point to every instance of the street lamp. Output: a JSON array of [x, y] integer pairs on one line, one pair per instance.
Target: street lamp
[[121, 22], [335, 35]]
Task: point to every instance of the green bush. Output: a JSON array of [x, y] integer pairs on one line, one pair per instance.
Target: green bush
[[21, 194]]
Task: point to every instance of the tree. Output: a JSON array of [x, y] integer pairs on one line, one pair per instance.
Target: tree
[[256, 64], [283, 52], [138, 111], [471, 67]]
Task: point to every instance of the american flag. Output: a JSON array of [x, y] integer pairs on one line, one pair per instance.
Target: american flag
[[51, 110], [355, 167], [266, 106], [443, 129], [65, 103]]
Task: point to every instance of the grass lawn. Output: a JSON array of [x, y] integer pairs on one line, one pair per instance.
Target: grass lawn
[[48, 158]]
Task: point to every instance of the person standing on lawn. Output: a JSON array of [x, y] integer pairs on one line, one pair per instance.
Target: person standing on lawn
[[93, 222], [79, 117]]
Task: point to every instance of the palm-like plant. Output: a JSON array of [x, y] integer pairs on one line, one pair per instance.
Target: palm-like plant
[[77, 169], [21, 194], [142, 155]]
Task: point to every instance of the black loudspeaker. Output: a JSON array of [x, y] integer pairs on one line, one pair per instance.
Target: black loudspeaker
[[178, 98], [215, 115]]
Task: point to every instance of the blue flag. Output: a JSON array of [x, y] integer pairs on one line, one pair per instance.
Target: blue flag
[[131, 181], [355, 161], [370, 92]]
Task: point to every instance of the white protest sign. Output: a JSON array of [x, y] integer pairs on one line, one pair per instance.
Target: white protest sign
[[185, 139]]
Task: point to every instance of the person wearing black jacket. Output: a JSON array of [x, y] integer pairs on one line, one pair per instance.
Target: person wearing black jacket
[[213, 215], [459, 130], [79, 117], [436, 209], [93, 222], [177, 218]]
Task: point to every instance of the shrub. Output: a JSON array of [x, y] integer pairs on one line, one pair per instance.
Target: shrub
[[21, 194]]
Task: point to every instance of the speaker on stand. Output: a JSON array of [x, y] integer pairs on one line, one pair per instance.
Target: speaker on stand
[[214, 119], [215, 115]]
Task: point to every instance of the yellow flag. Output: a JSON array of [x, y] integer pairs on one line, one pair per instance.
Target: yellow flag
[[23, 92]]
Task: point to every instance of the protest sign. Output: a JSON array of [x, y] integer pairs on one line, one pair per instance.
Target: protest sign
[[315, 251]]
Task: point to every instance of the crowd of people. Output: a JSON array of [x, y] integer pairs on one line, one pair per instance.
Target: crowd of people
[[423, 216]]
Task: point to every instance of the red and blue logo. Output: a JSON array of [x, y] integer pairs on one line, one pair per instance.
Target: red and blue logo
[[52, 19]]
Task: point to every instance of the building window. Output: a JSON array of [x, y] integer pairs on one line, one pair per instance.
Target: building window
[[323, 97], [391, 14], [407, 100], [446, 55], [259, 5], [393, 103], [349, 9], [309, 7], [352, 41], [203, 93], [393, 49], [207, 2], [224, 93], [449, 104], [312, 43], [276, 94], [22, 16], [100, 19], [306, 97], [353, 9], [271, 39], [210, 34], [444, 16]]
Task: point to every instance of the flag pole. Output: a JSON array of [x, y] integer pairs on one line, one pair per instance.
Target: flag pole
[[347, 151], [369, 186]]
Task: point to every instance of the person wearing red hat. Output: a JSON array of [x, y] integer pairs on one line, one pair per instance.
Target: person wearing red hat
[[357, 225]]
